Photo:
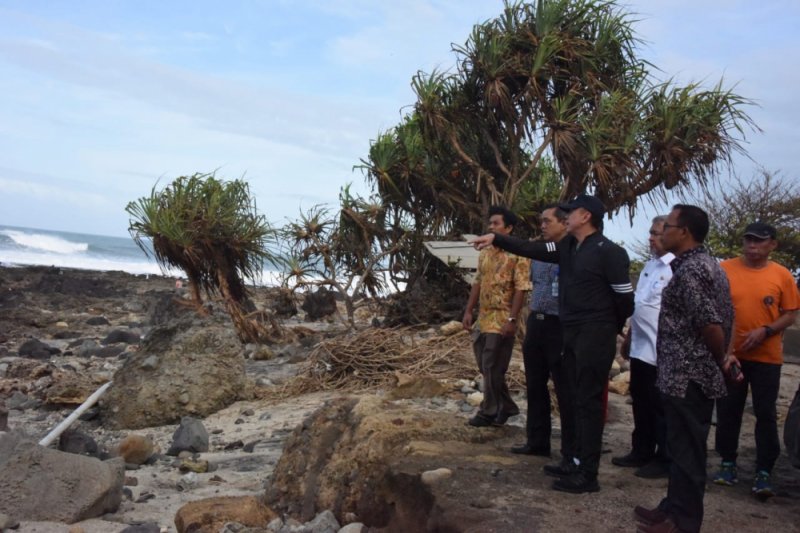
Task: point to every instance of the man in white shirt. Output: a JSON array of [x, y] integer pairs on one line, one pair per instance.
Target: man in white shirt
[[648, 442]]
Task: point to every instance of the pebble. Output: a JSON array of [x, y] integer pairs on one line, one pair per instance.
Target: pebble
[[144, 497], [187, 482], [432, 476], [475, 399], [467, 389], [247, 412], [466, 407]]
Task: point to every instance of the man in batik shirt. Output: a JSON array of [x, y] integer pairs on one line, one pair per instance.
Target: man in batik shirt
[[694, 330], [499, 289]]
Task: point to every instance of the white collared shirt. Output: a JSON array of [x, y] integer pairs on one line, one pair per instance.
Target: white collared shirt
[[644, 322]]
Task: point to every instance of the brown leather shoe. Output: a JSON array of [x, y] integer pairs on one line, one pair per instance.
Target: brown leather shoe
[[649, 516], [667, 526]]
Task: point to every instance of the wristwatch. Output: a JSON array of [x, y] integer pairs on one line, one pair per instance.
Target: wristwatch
[[769, 330], [512, 319]]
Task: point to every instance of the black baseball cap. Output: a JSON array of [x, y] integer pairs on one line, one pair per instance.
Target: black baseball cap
[[760, 230], [590, 203]]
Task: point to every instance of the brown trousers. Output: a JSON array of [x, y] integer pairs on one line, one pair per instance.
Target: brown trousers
[[493, 355]]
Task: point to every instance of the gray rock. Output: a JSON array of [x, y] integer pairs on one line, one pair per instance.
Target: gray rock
[[190, 436], [77, 442], [98, 321], [106, 352], [45, 484], [36, 349], [3, 422], [20, 401], [147, 527], [121, 335], [275, 525], [86, 349], [324, 522], [205, 361], [3, 369], [150, 363]]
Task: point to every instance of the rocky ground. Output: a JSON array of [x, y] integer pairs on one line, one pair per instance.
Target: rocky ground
[[63, 333]]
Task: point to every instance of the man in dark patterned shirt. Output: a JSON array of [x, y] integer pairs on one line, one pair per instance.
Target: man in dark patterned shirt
[[694, 330]]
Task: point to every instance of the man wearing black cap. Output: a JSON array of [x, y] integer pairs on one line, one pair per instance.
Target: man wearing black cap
[[765, 301], [595, 300]]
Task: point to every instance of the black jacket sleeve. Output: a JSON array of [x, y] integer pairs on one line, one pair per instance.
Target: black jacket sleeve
[[617, 272], [546, 252]]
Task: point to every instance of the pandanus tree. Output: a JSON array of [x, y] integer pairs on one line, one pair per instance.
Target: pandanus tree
[[554, 84], [211, 230], [344, 251]]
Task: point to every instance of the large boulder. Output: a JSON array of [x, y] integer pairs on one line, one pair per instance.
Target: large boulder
[[38, 483], [184, 368], [368, 458]]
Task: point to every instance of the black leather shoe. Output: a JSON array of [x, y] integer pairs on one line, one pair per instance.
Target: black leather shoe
[[527, 449], [629, 461], [649, 516], [653, 470], [577, 483], [502, 418], [480, 421], [565, 468]]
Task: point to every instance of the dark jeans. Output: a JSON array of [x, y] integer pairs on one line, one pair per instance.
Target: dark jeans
[[764, 380], [542, 353], [649, 438], [493, 354], [588, 353], [688, 420]]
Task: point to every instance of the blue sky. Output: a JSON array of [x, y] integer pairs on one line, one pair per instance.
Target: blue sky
[[100, 99]]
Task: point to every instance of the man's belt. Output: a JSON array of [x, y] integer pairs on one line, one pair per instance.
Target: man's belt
[[542, 316]]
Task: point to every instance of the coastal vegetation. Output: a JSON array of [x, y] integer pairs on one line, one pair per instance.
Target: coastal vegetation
[[768, 197], [548, 100], [210, 229]]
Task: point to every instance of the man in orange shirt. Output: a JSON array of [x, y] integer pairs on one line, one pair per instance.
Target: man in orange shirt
[[765, 300], [499, 291]]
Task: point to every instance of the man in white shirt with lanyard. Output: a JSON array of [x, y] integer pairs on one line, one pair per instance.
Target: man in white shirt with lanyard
[[648, 442]]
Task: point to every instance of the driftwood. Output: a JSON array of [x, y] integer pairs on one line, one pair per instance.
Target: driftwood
[[369, 359]]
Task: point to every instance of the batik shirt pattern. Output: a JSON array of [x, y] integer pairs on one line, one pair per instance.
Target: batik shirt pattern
[[500, 274], [697, 295]]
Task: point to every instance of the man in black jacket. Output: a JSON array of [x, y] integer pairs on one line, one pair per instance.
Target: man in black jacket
[[595, 300]]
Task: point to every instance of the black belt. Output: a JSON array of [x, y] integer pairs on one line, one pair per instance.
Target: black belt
[[542, 316]]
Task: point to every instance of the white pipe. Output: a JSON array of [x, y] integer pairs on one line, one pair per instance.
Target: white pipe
[[59, 429]]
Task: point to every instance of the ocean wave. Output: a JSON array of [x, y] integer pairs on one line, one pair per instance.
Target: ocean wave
[[46, 243]]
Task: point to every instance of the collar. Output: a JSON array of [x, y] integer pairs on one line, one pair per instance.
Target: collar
[[679, 260], [666, 259]]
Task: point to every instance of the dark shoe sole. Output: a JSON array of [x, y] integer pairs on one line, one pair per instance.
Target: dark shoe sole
[[561, 486], [558, 471], [479, 422], [624, 462], [527, 450]]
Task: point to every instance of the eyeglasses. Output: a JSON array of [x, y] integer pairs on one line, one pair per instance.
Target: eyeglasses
[[667, 225]]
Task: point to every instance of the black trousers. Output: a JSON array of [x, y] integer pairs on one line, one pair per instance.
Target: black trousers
[[493, 355], [764, 380], [649, 437], [542, 352], [588, 353], [688, 420]]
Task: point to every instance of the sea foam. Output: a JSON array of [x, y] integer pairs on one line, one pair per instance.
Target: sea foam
[[45, 243]]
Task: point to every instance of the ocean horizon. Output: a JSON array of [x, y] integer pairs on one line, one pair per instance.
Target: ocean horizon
[[21, 246]]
